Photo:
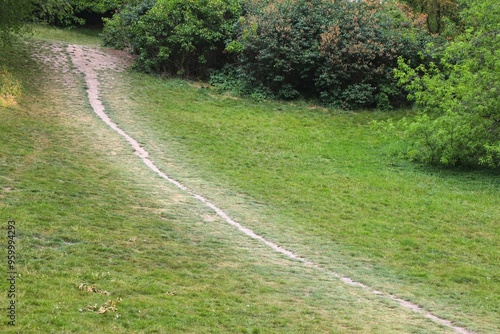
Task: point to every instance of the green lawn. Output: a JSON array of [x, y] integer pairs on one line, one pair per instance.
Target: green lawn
[[77, 35], [322, 183], [328, 186]]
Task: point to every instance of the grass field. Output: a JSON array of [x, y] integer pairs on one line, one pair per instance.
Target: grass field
[[330, 189], [320, 182]]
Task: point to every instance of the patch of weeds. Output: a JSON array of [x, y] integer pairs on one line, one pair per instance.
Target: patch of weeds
[[10, 88]]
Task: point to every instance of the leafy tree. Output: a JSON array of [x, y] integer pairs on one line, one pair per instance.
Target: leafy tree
[[441, 14], [460, 122], [12, 16]]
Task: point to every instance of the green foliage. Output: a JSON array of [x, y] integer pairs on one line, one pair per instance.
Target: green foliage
[[12, 16], [99, 6], [459, 93], [69, 12], [342, 52], [450, 140], [178, 37], [56, 12], [442, 16], [232, 78], [118, 30]]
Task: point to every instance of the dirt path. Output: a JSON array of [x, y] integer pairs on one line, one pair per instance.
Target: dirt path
[[90, 62]]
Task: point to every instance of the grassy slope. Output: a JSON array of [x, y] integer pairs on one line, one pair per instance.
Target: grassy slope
[[324, 184], [87, 211]]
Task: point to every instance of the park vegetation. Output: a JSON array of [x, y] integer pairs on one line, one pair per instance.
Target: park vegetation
[[95, 228], [438, 55], [459, 123]]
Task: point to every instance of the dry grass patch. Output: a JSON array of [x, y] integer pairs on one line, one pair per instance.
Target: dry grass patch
[[10, 88]]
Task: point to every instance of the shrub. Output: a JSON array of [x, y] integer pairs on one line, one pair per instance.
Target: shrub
[[118, 30], [232, 78], [460, 121], [13, 13], [184, 37], [449, 140], [342, 52], [70, 12]]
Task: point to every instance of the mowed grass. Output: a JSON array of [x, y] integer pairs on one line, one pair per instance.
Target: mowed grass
[[325, 184], [96, 229]]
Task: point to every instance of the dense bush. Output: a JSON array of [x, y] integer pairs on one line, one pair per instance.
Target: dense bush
[[342, 52], [441, 15], [178, 37], [360, 47], [70, 12], [118, 31], [460, 122], [12, 16]]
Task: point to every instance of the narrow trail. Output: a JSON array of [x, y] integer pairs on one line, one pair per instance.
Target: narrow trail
[[89, 61]]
